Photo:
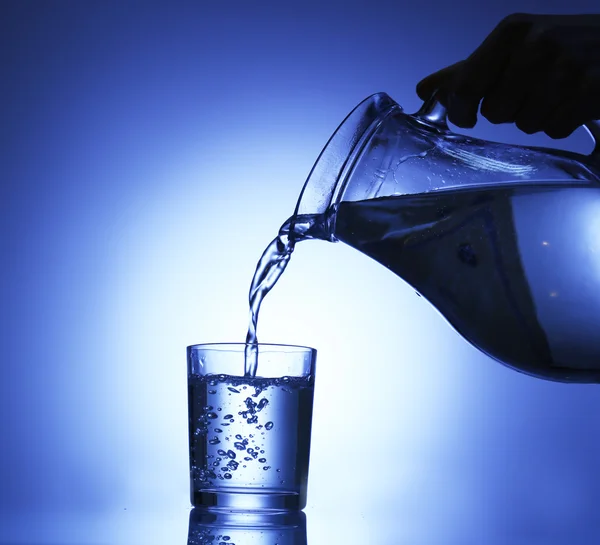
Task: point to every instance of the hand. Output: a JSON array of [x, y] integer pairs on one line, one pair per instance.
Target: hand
[[541, 72]]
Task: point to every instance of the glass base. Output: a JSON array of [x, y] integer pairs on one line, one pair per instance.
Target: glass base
[[243, 499]]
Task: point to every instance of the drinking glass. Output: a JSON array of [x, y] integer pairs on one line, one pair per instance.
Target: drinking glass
[[249, 436]]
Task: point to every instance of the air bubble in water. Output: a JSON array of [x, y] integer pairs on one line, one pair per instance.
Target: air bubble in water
[[262, 460], [232, 389], [239, 437], [262, 404], [240, 446], [227, 475], [218, 430], [221, 452], [231, 454], [227, 416], [214, 441], [269, 425], [212, 415], [250, 405], [266, 467]]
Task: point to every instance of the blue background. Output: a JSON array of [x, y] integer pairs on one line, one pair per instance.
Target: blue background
[[149, 152]]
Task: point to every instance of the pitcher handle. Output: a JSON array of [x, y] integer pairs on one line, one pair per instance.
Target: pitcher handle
[[593, 127], [433, 113]]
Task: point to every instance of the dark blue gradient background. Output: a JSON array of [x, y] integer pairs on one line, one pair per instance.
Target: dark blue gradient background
[[149, 151]]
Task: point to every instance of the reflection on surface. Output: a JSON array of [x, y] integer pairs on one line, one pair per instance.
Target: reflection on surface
[[212, 528]]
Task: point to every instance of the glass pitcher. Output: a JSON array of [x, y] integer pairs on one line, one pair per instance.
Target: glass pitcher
[[503, 240]]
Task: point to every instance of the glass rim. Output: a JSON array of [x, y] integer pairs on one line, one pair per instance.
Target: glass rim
[[225, 345]]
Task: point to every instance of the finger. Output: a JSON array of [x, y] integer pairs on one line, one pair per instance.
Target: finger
[[576, 109], [527, 67], [554, 86], [589, 88], [481, 71], [565, 120], [438, 81]]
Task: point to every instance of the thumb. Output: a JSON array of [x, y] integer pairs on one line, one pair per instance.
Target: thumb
[[438, 81]]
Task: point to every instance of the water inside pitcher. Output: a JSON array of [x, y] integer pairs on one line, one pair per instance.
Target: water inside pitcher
[[503, 240]]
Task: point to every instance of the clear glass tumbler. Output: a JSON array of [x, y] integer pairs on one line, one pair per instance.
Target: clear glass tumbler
[[250, 435]]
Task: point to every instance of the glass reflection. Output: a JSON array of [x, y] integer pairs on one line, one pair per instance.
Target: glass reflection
[[216, 528]]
